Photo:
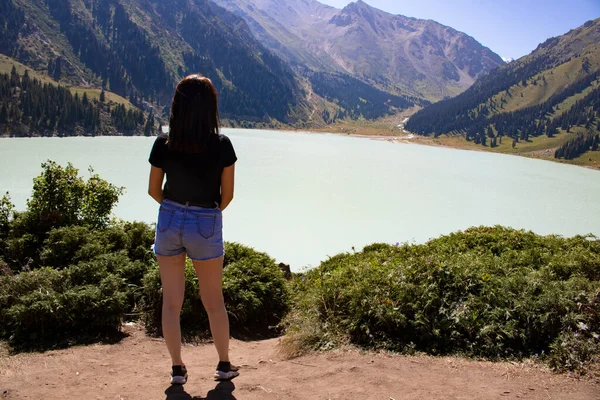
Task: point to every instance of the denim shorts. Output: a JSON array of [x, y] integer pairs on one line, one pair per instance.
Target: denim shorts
[[194, 230]]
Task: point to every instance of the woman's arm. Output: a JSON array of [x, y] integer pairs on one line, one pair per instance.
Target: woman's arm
[[227, 184], [155, 184]]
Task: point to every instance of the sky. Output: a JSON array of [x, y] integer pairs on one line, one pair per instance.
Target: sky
[[510, 28]]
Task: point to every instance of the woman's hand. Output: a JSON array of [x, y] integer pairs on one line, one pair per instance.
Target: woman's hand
[[155, 184], [227, 184]]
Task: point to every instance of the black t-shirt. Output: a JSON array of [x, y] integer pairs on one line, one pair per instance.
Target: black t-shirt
[[194, 178]]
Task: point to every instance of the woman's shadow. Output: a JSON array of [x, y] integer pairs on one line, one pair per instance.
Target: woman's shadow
[[223, 391]]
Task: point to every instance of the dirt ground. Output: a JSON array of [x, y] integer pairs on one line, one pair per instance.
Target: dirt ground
[[138, 368]]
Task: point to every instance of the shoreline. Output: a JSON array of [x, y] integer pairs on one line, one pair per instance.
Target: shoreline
[[410, 138], [391, 135]]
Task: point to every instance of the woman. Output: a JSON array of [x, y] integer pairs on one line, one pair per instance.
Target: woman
[[199, 166]]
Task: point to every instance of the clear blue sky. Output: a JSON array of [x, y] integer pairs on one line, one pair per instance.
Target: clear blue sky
[[511, 28]]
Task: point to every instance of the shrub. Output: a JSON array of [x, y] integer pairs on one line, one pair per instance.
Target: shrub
[[60, 198], [23, 242], [63, 198], [86, 300], [92, 268], [71, 244], [47, 307], [256, 295], [6, 211], [577, 348], [140, 239], [254, 288], [487, 292]]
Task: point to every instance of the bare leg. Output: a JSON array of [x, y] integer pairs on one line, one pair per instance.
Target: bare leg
[[210, 280], [172, 276]]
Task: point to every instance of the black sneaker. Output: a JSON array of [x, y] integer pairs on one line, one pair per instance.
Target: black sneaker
[[225, 371], [179, 375]]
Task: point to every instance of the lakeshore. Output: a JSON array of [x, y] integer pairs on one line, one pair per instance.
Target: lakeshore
[[538, 148]]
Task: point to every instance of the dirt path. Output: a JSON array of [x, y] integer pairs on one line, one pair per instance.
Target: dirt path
[[138, 367]]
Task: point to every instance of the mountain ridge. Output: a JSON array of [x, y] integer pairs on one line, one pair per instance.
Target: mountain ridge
[[426, 60], [547, 100], [140, 48]]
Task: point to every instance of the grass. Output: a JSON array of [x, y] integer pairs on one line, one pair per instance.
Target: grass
[[95, 94], [589, 159], [556, 80], [570, 101], [534, 144], [539, 147], [7, 63]]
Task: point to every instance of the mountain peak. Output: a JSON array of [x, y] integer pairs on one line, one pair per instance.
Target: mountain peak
[[358, 5], [395, 53], [354, 12]]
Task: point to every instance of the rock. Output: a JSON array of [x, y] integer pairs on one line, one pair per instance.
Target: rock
[[285, 268]]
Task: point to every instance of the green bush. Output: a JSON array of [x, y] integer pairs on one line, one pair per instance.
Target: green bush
[[6, 212], [47, 307], [60, 198], [140, 239], [91, 284], [487, 292], [71, 244], [255, 291], [68, 273]]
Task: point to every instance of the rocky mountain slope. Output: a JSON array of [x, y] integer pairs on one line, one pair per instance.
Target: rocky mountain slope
[[397, 54]]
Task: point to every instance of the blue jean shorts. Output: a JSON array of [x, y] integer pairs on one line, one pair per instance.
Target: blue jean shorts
[[194, 230]]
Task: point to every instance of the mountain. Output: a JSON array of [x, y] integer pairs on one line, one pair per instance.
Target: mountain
[[139, 49], [550, 97], [296, 62], [400, 55]]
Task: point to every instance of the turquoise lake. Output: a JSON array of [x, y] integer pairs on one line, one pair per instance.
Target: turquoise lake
[[304, 197]]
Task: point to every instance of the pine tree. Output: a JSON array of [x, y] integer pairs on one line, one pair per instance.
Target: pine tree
[[25, 81], [3, 114], [596, 143], [149, 128], [15, 80], [57, 72]]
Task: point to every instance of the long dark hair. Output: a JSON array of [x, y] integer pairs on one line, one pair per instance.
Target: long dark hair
[[194, 115]]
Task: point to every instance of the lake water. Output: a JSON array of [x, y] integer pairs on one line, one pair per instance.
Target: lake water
[[303, 197]]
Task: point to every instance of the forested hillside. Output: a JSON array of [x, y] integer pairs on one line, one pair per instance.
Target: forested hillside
[[554, 93], [140, 49], [30, 107]]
